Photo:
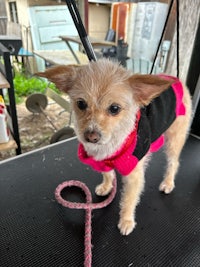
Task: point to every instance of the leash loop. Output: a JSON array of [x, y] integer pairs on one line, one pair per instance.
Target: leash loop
[[88, 207]]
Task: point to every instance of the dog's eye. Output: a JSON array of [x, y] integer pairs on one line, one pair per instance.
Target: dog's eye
[[81, 104], [114, 109]]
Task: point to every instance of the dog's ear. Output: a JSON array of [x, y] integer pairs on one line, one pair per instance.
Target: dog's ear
[[147, 87], [62, 76]]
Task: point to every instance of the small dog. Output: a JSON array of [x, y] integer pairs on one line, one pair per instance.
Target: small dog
[[120, 119]]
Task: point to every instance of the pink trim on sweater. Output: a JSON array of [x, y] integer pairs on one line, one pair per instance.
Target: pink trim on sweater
[[123, 163], [122, 160], [157, 144]]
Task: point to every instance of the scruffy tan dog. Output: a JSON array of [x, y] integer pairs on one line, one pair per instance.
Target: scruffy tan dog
[[120, 119]]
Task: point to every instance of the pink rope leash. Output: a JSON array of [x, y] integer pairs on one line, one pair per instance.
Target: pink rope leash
[[88, 206]]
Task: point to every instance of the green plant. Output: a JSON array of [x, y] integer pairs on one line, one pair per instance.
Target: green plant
[[25, 86]]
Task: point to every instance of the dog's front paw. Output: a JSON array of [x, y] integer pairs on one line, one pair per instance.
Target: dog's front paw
[[126, 226], [103, 189], [166, 187]]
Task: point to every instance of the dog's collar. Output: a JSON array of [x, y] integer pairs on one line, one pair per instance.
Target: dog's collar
[[122, 160]]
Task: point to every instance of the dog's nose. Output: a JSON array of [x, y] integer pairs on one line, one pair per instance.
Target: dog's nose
[[92, 136]]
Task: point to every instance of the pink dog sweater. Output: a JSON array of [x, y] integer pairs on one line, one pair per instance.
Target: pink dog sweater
[[151, 122]]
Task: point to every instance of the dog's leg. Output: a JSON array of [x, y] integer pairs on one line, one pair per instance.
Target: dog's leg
[[175, 139], [105, 187], [133, 187]]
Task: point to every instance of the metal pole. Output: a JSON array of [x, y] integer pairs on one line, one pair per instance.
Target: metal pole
[[81, 29]]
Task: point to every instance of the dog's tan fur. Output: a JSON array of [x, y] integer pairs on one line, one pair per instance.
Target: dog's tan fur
[[101, 84]]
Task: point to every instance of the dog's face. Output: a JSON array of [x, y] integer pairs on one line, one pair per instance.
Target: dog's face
[[102, 106], [105, 99]]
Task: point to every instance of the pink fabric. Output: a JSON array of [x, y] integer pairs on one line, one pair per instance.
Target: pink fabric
[[123, 160], [156, 145]]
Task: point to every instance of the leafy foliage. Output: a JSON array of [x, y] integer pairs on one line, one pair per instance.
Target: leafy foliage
[[25, 86]]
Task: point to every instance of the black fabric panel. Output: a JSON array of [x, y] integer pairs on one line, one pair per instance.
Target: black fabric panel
[[143, 136], [36, 231], [161, 113], [155, 120]]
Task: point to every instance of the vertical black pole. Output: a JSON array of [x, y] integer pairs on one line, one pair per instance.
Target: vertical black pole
[[81, 29], [177, 41], [161, 38], [11, 93]]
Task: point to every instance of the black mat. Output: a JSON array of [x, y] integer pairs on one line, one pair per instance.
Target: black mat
[[36, 231]]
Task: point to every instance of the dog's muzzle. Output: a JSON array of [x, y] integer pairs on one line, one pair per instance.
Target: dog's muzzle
[[92, 136]]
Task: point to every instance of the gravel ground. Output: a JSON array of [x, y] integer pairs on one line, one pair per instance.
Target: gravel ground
[[35, 129]]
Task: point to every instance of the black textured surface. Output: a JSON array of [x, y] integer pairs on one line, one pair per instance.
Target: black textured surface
[[36, 231]]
